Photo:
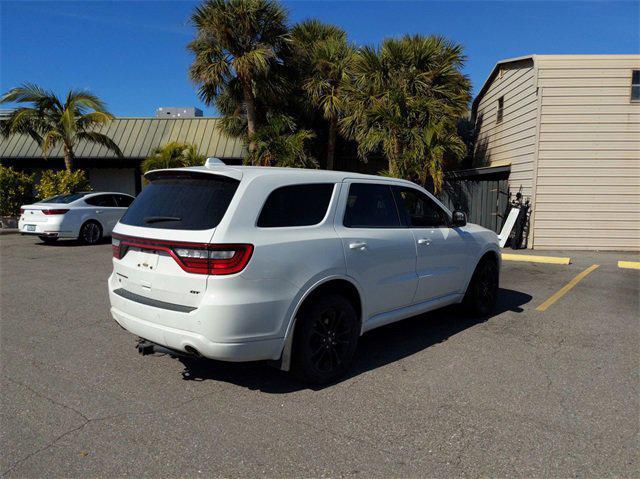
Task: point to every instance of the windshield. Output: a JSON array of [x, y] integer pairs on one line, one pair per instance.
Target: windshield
[[68, 198], [182, 202]]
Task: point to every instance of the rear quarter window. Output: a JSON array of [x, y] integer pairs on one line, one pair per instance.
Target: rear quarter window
[[296, 205], [182, 201]]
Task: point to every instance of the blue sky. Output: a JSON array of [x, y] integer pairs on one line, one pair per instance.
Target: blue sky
[[133, 54]]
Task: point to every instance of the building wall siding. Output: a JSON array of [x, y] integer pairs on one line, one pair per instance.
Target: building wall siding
[[588, 179], [512, 140]]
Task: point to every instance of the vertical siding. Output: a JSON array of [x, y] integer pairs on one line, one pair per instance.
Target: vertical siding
[[512, 140], [588, 184]]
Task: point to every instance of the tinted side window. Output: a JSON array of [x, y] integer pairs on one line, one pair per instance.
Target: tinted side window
[[123, 200], [101, 200], [296, 205], [419, 210], [371, 206]]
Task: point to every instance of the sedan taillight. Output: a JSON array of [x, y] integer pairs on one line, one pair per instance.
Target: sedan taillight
[[55, 212], [197, 258]]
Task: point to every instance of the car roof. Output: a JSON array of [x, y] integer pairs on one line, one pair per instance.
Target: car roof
[[297, 174]]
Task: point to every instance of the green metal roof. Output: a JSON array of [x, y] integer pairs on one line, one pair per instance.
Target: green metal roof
[[137, 137]]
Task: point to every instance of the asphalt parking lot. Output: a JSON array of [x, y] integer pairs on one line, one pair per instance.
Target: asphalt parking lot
[[526, 393]]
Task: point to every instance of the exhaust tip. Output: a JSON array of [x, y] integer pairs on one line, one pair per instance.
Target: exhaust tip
[[192, 350]]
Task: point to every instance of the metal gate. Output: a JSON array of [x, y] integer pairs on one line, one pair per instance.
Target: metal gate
[[482, 193]]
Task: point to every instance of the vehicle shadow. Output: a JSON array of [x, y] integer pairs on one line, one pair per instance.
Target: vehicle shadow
[[377, 348], [70, 243]]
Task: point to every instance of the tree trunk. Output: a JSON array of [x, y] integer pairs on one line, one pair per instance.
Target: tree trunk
[[250, 104], [331, 143], [69, 158]]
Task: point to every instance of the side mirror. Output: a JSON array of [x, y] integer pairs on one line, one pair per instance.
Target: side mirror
[[458, 219]]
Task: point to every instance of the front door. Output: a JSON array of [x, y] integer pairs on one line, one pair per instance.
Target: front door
[[380, 251], [441, 252]]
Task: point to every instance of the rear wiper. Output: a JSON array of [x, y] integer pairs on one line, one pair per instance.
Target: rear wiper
[[158, 219]]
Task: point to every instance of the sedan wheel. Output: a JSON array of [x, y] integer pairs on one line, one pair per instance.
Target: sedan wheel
[[90, 233]]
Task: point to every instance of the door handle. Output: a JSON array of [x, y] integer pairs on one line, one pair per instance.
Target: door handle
[[358, 245], [424, 241], [98, 211]]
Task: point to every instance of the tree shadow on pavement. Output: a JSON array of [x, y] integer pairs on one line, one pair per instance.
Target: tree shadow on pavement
[[377, 348]]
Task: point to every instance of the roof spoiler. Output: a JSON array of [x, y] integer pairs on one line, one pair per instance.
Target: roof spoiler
[[212, 162]]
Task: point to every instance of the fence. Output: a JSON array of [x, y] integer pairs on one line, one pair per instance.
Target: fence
[[482, 193]]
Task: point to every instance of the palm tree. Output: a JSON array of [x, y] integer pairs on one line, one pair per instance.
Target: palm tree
[[238, 41], [329, 58], [280, 143], [50, 121], [404, 100], [173, 155]]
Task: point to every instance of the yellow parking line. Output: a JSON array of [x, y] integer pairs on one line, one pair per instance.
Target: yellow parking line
[[629, 264], [535, 259], [566, 288]]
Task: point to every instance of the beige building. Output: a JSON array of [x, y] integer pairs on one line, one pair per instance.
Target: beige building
[[568, 126]]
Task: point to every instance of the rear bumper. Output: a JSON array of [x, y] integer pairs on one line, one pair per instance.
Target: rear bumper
[[51, 229], [180, 340]]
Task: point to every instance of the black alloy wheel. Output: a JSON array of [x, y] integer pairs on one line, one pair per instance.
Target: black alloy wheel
[[327, 333], [482, 294]]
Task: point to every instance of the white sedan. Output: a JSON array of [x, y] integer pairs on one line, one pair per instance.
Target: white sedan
[[86, 216]]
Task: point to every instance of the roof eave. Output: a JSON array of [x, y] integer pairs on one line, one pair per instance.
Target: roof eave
[[492, 75]]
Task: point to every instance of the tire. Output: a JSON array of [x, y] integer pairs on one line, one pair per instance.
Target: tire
[[326, 336], [48, 239], [482, 293], [90, 233]]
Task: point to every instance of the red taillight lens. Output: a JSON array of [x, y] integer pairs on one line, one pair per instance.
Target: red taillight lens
[[21, 211], [54, 212], [115, 246], [197, 258]]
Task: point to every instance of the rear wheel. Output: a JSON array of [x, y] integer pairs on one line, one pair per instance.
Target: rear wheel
[[325, 341], [48, 239], [482, 293], [90, 233]]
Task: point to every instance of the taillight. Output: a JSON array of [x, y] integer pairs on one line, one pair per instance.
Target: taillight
[[54, 212], [21, 211], [197, 258], [115, 246]]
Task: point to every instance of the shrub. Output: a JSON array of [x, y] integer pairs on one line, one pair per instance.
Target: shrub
[[61, 182], [16, 189]]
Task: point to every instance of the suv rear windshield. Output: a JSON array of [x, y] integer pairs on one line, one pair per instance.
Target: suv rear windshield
[[64, 199], [182, 201]]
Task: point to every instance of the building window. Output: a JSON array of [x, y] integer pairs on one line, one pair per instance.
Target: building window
[[500, 111], [635, 85]]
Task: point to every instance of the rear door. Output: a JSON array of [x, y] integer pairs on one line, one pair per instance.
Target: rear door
[[161, 243], [441, 251], [105, 210], [380, 251]]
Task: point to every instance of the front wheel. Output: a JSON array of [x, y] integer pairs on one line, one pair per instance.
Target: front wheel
[[482, 293], [325, 341], [90, 233]]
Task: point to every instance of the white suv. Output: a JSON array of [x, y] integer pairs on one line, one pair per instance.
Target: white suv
[[248, 263]]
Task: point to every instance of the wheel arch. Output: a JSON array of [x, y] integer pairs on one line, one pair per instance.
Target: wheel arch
[[489, 253], [343, 285]]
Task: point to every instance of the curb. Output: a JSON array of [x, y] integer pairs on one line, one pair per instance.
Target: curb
[[9, 231], [536, 259], [629, 264]]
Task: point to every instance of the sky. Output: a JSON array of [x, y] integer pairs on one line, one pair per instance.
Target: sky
[[133, 53]]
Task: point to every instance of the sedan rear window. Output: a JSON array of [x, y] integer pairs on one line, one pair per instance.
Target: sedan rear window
[[64, 199], [182, 202]]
